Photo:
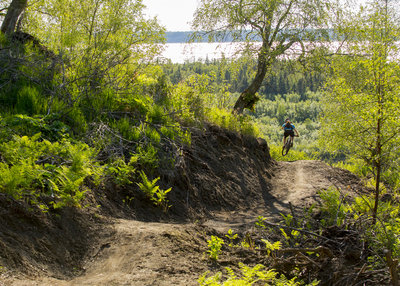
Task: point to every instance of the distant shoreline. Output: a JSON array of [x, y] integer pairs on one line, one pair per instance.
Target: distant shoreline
[[181, 37]]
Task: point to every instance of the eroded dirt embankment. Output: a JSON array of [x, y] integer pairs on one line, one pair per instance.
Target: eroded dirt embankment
[[222, 181]]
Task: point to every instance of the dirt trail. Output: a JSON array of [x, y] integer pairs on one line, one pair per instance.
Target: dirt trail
[[293, 186], [222, 181], [298, 182], [139, 254]]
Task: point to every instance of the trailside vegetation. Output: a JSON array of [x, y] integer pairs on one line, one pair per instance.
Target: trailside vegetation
[[362, 103], [85, 106], [296, 250]]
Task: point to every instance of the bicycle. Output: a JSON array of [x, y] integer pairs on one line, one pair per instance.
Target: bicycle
[[288, 145]]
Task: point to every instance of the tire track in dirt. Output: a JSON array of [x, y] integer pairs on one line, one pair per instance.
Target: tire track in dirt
[[297, 183]]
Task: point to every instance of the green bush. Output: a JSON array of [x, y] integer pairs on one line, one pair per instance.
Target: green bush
[[293, 155], [214, 247], [334, 207], [120, 171], [383, 235], [239, 123], [50, 127]]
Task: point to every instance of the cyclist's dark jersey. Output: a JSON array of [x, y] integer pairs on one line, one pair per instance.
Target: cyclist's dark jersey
[[288, 128], [289, 131]]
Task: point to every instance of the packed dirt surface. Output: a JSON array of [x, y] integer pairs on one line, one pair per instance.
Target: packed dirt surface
[[223, 181], [294, 186]]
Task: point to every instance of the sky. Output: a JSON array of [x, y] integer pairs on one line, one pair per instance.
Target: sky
[[175, 15]]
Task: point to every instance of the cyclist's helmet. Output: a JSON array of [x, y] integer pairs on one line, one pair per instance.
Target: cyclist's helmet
[[287, 119]]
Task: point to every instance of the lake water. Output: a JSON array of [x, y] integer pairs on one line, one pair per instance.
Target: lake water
[[181, 52]]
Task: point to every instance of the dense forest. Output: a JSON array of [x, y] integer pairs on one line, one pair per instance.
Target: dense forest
[[87, 111]]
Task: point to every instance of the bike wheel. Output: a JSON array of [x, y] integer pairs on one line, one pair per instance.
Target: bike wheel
[[286, 148]]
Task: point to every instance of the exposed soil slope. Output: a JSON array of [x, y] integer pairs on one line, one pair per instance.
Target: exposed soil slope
[[222, 181]]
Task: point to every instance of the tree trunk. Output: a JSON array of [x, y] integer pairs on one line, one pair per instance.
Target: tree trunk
[[13, 13], [378, 161], [248, 97], [377, 191]]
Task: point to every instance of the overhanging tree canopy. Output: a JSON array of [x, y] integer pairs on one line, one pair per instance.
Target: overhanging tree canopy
[[278, 24]]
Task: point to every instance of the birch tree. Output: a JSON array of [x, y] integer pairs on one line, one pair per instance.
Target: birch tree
[[278, 24]]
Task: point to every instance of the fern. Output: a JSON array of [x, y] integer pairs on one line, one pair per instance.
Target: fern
[[231, 236], [257, 275], [33, 168], [148, 187], [153, 192]]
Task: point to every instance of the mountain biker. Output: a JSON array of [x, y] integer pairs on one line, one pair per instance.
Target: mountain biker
[[289, 129]]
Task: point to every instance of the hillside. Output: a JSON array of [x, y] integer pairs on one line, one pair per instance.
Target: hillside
[[222, 181]]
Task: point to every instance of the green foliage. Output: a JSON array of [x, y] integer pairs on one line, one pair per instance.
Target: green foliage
[[244, 21], [302, 107], [32, 168], [196, 98], [146, 157], [384, 234], [287, 78], [153, 192], [334, 205], [271, 247], [260, 222], [293, 155], [95, 58], [214, 247], [356, 166], [30, 101], [50, 127], [361, 110], [249, 276], [191, 98], [380, 236], [120, 171], [88, 75], [231, 236], [234, 122]]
